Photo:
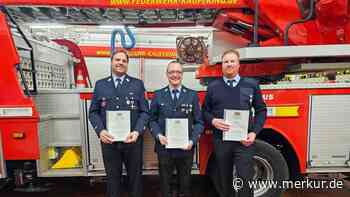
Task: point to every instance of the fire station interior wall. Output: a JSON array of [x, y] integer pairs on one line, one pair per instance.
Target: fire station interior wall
[[154, 72], [100, 67], [155, 75]]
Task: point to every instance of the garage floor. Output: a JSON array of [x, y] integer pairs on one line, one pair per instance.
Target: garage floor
[[82, 188]]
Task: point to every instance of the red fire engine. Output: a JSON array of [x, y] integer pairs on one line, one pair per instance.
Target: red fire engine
[[44, 130]]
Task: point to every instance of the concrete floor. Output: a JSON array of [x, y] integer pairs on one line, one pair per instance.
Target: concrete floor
[[82, 188]]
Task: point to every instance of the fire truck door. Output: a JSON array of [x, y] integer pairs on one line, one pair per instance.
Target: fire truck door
[[2, 162], [329, 131], [95, 160]]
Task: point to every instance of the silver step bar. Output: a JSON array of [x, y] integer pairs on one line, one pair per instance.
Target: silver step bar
[[2, 162]]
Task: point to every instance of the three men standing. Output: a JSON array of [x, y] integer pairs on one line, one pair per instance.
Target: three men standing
[[175, 101]]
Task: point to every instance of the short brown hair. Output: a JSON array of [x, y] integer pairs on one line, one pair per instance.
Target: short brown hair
[[234, 51], [120, 51]]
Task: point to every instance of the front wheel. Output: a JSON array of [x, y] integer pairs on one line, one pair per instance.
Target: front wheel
[[269, 164]]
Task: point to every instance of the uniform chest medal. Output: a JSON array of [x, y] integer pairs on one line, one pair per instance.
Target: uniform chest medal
[[187, 108], [130, 101]]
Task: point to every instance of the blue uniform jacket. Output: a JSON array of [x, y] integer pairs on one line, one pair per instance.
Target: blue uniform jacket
[[246, 96], [131, 96], [162, 107]]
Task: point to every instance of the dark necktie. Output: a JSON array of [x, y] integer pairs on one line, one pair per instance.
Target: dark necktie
[[119, 83], [230, 82], [175, 91]]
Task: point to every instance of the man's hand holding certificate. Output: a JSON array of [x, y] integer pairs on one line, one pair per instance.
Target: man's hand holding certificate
[[118, 125], [177, 132], [105, 137], [238, 121]]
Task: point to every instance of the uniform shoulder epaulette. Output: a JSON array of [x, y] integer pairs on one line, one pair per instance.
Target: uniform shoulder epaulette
[[165, 89], [106, 79], [133, 78], [215, 82], [251, 81], [188, 89]]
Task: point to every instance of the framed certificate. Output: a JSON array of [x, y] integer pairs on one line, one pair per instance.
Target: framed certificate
[[239, 120], [176, 131], [118, 124]]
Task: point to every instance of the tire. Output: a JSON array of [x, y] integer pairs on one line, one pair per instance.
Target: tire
[[269, 164], [6, 184]]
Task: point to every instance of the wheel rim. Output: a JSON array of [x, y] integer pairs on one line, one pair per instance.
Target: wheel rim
[[262, 171]]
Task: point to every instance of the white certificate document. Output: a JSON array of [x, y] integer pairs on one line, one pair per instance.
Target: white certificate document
[[239, 120], [176, 131], [118, 124]]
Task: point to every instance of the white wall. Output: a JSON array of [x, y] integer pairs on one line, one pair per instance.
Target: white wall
[[100, 67]]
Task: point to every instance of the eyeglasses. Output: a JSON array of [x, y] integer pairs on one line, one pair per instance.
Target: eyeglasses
[[174, 72]]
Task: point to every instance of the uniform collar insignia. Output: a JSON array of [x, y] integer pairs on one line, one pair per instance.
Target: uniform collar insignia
[[109, 79], [127, 79]]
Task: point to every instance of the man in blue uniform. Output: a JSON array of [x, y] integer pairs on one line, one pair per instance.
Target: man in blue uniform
[[120, 92], [236, 93], [175, 101]]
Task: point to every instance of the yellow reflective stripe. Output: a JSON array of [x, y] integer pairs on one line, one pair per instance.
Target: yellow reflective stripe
[[283, 111]]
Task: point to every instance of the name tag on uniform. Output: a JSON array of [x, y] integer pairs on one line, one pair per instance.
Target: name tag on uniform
[[176, 131], [118, 124], [238, 119]]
